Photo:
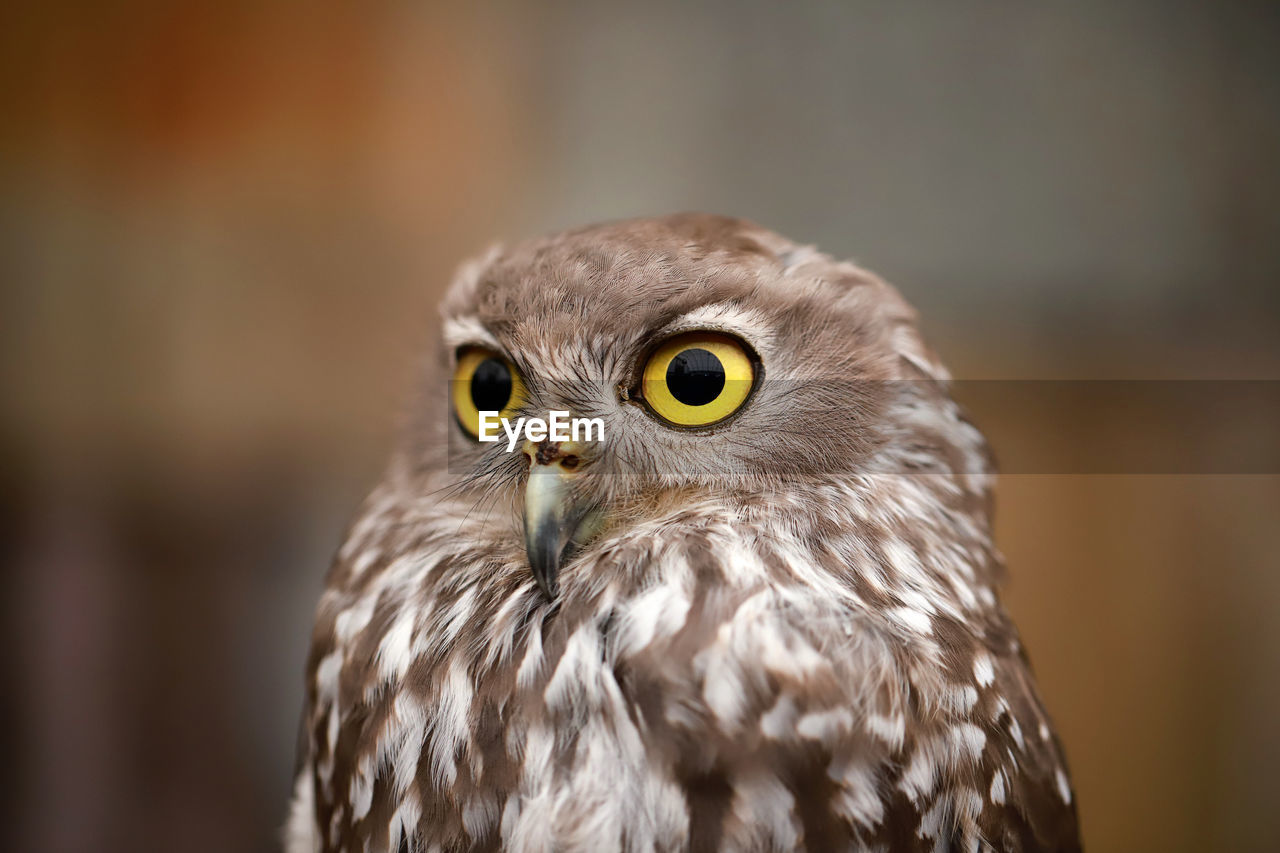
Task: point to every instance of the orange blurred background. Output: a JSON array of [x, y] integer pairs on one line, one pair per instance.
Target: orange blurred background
[[226, 225]]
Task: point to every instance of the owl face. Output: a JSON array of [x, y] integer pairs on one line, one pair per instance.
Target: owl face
[[718, 358]]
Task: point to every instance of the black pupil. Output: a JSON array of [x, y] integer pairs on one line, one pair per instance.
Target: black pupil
[[491, 386], [695, 377]]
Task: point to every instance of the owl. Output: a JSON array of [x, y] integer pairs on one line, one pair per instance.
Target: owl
[[751, 606]]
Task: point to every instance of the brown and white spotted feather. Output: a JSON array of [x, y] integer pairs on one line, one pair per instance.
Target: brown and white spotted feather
[[787, 636]]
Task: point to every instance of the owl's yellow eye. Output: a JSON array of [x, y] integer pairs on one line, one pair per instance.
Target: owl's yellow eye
[[698, 378], [484, 381]]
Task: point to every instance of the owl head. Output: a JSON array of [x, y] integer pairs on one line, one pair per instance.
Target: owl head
[[720, 361]]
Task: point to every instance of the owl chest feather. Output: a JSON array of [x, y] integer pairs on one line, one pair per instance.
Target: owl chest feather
[[728, 684]]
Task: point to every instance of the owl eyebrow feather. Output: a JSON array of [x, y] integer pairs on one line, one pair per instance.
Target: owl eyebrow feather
[[467, 331], [728, 318]]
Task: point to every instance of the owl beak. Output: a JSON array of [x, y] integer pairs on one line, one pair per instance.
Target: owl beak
[[555, 514]]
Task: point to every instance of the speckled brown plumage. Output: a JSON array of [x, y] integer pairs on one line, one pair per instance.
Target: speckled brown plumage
[[785, 635]]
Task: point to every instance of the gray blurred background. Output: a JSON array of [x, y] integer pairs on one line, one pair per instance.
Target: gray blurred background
[[225, 228]]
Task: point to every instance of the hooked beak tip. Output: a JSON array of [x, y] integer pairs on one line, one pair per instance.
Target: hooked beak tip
[[545, 544]]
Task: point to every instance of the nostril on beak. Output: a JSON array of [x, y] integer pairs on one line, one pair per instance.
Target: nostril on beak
[[564, 454]]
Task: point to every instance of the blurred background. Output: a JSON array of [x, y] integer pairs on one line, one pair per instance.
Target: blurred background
[[226, 226]]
